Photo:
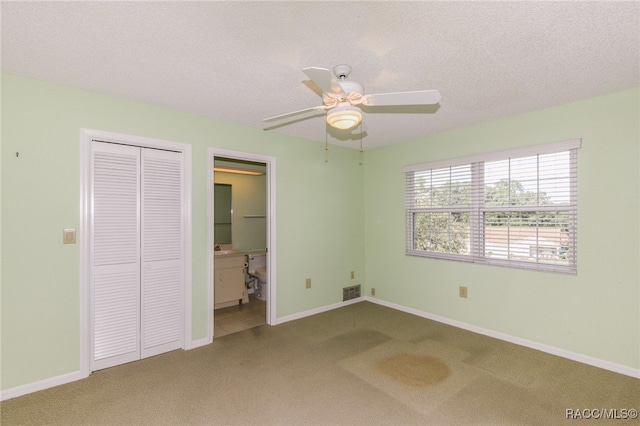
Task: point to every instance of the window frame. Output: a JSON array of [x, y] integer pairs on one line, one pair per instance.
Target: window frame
[[477, 209]]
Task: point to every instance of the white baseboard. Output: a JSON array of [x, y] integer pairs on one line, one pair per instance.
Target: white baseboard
[[64, 379], [319, 310], [585, 359], [197, 343], [41, 385]]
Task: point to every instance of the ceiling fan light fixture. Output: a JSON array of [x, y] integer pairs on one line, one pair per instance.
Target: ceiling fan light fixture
[[237, 171], [344, 117]]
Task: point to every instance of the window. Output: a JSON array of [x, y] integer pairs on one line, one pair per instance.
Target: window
[[515, 208]]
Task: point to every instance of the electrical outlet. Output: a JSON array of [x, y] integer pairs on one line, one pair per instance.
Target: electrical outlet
[[463, 292], [373, 291], [353, 274], [307, 283]]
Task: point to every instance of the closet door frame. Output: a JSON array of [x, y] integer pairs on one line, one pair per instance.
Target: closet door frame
[[86, 138]]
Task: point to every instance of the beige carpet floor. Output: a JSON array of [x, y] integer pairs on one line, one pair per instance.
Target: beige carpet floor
[[363, 364]]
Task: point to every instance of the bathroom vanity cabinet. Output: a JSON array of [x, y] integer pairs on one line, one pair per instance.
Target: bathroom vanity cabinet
[[228, 287]]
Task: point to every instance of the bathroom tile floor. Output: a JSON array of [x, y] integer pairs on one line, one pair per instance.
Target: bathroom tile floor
[[237, 318]]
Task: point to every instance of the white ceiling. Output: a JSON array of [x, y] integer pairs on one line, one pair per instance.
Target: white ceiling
[[241, 61]]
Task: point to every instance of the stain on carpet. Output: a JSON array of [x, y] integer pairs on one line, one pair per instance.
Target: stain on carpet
[[414, 370]]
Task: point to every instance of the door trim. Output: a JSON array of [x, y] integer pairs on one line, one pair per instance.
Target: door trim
[[86, 136], [271, 230]]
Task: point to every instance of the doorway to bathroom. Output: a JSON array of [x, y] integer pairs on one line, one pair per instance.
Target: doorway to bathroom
[[241, 241]]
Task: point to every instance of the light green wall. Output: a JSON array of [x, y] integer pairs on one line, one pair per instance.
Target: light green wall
[[594, 313], [249, 198], [319, 215], [323, 231]]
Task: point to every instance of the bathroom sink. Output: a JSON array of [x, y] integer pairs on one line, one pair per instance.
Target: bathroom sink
[[225, 252]]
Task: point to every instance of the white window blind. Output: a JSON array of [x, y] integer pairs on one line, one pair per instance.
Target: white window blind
[[515, 208]]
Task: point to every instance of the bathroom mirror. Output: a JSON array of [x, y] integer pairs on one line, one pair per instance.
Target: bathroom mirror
[[222, 213]]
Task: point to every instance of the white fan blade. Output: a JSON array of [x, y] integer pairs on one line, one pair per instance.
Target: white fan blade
[[289, 114], [419, 97], [325, 80]]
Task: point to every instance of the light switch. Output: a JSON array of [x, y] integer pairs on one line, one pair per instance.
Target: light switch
[[68, 236]]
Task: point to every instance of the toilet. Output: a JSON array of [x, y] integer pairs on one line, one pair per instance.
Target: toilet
[[258, 270]]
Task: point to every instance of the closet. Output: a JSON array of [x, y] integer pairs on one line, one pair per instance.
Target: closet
[[136, 253]]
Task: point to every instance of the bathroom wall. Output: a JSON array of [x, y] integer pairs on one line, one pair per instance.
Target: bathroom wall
[[249, 198]]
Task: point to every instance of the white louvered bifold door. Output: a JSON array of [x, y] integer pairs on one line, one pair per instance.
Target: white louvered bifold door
[[136, 253], [115, 255], [162, 252]]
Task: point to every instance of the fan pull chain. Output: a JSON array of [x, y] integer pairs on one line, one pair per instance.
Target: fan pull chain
[[326, 144], [361, 150]]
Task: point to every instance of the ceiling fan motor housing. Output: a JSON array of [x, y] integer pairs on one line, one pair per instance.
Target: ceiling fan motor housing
[[352, 93], [342, 71]]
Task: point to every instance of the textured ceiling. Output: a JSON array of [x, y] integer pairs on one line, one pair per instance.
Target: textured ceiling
[[242, 61]]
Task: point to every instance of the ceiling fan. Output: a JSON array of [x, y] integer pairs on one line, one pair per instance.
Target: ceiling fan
[[341, 98]]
